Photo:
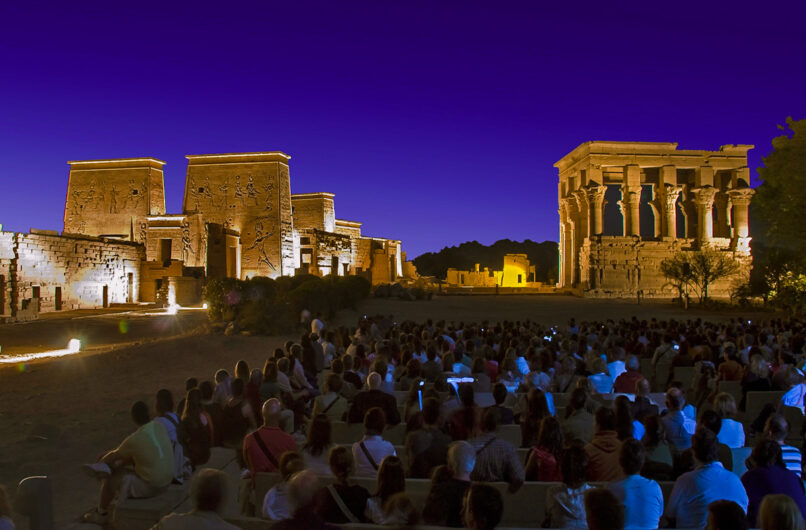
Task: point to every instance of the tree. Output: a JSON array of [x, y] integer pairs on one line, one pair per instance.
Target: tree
[[698, 269], [780, 200]]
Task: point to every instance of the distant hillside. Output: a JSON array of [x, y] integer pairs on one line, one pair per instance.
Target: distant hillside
[[542, 255]]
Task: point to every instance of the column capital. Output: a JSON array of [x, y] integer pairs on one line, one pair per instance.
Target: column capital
[[704, 196], [596, 194], [670, 194], [741, 196], [581, 198]]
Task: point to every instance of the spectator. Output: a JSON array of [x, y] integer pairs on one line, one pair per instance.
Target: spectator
[[303, 489], [496, 459], [565, 506], [729, 369], [427, 447], [711, 421], [190, 384], [776, 428], [732, 432], [642, 498], [198, 428], [167, 417], [331, 403], [222, 392], [252, 390], [410, 376], [374, 397], [213, 410], [726, 515], [370, 451], [318, 445], [659, 460], [626, 427], [770, 477], [604, 449], [465, 422], [601, 377], [537, 408], [479, 372], [275, 503], [269, 387], [578, 424], [443, 506], [484, 507], [677, 425], [603, 511], [341, 502], [263, 448], [142, 466], [643, 406], [350, 371], [505, 413], [543, 463], [756, 377], [695, 490], [400, 511], [391, 480], [207, 491], [779, 512], [238, 417]]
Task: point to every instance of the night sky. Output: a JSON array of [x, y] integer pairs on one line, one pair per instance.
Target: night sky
[[433, 122]]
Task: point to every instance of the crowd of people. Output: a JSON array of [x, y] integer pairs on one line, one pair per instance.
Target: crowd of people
[[604, 446]]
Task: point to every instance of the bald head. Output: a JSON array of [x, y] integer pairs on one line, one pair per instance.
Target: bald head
[[642, 387], [675, 399], [271, 412], [301, 490], [374, 381]]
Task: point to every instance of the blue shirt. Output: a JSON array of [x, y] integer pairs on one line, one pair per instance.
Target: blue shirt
[[679, 429], [762, 481], [642, 499], [695, 490]]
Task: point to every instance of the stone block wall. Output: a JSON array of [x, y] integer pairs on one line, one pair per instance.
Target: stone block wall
[[72, 271]]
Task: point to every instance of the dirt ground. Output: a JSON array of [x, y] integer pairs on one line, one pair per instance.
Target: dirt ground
[[56, 415]]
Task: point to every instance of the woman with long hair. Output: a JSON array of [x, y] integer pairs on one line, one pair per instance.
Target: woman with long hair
[[465, 423], [391, 480], [537, 408], [626, 426], [198, 427], [318, 444], [544, 459], [659, 460]]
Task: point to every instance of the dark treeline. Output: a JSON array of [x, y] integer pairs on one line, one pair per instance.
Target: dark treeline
[[465, 256]]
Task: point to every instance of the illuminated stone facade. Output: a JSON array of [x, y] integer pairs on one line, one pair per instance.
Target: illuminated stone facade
[[517, 272], [670, 201]]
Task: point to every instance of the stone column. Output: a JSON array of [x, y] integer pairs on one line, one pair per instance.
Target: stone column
[[629, 205], [597, 202], [670, 194], [722, 205], [704, 199], [572, 232], [741, 201], [581, 198], [563, 250]]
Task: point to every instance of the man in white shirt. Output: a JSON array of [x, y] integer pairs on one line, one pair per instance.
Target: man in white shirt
[[369, 452], [642, 498]]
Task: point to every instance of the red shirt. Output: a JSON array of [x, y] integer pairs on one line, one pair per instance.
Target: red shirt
[[625, 383], [275, 440]]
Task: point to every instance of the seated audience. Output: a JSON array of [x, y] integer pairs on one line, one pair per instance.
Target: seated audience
[[317, 445], [374, 397], [341, 502], [659, 458], [479, 372], [537, 408], [505, 413], [484, 507], [769, 476], [213, 410], [332, 404], [443, 506], [275, 503], [142, 466], [465, 422], [391, 480], [427, 447], [726, 515], [780, 512], [543, 462], [642, 498], [303, 489], [207, 492], [776, 428], [369, 452], [579, 423], [686, 461], [600, 377], [565, 505], [604, 449], [496, 459], [263, 448], [269, 387], [603, 511], [626, 427], [399, 511], [198, 428], [677, 425], [695, 490], [238, 417], [732, 432], [643, 407]]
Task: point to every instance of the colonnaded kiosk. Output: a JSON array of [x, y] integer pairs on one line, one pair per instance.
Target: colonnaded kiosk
[[626, 206]]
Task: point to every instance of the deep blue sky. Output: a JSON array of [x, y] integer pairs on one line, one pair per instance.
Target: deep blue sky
[[433, 122]]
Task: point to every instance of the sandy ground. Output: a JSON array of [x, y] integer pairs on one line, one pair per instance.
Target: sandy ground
[[58, 414]]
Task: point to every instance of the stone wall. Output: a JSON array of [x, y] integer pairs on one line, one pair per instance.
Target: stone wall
[[68, 271], [314, 211]]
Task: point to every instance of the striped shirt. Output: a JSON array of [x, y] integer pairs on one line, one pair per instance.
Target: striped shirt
[[791, 457]]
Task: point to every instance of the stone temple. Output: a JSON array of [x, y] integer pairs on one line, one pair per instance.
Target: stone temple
[[626, 206], [239, 219]]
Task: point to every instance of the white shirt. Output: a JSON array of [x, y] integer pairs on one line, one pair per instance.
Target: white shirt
[[169, 425], [275, 503], [317, 464], [642, 499], [731, 433], [794, 396], [695, 490], [616, 368], [378, 448], [602, 383]]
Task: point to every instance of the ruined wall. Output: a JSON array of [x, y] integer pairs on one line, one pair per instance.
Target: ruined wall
[[352, 230], [617, 266], [70, 272], [7, 259], [474, 278], [104, 196], [516, 267], [249, 193]]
